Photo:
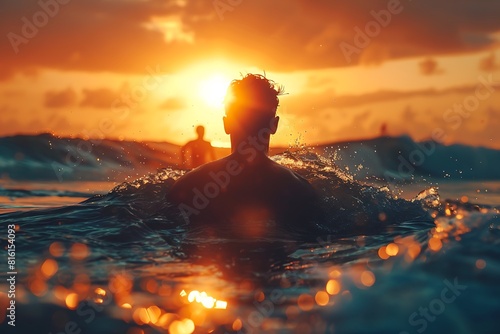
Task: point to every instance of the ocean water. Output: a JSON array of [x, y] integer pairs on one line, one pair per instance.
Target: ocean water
[[100, 256]]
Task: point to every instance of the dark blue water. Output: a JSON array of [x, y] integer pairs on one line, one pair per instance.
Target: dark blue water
[[127, 262]]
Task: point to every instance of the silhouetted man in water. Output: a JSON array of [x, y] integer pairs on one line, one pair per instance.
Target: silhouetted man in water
[[246, 193], [199, 149]]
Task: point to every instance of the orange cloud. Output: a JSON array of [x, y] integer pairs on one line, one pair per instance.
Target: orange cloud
[[429, 66], [99, 98], [282, 35], [172, 104], [489, 63], [324, 117], [89, 35], [60, 99]]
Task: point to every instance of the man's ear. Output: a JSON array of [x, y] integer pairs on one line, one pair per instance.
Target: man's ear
[[227, 125], [274, 124]]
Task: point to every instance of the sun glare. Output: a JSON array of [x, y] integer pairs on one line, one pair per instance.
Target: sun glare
[[213, 89]]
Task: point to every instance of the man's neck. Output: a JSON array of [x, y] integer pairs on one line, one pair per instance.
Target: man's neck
[[257, 144]]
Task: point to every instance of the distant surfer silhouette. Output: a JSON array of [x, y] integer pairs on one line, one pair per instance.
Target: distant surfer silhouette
[[383, 130], [201, 151], [246, 193]]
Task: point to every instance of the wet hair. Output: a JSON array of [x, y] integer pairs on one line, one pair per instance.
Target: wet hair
[[252, 100]]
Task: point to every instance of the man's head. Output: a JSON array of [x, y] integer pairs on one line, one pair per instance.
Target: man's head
[[251, 105], [200, 130]]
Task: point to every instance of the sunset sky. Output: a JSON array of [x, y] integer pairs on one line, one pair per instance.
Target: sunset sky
[[154, 69]]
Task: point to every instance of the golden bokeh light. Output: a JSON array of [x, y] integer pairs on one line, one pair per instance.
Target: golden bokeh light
[[38, 287], [151, 286], [333, 287], [120, 283], [166, 319], [185, 326], [413, 252], [198, 316], [435, 244], [392, 249], [81, 284], [322, 298], [154, 313], [367, 278], [126, 306], [137, 316], [100, 294], [237, 324], [204, 299], [79, 251], [60, 292], [72, 301], [164, 290], [144, 315], [49, 268], [260, 296], [56, 249], [335, 273], [480, 264], [305, 302], [220, 304], [382, 253]]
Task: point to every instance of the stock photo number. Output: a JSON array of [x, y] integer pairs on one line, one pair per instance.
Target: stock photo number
[[11, 274]]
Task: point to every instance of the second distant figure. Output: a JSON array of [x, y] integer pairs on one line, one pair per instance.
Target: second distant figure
[[200, 150]]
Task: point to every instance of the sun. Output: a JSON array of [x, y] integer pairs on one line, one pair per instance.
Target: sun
[[213, 89]]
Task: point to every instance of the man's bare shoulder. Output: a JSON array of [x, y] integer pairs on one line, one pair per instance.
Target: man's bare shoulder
[[182, 188], [289, 176]]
